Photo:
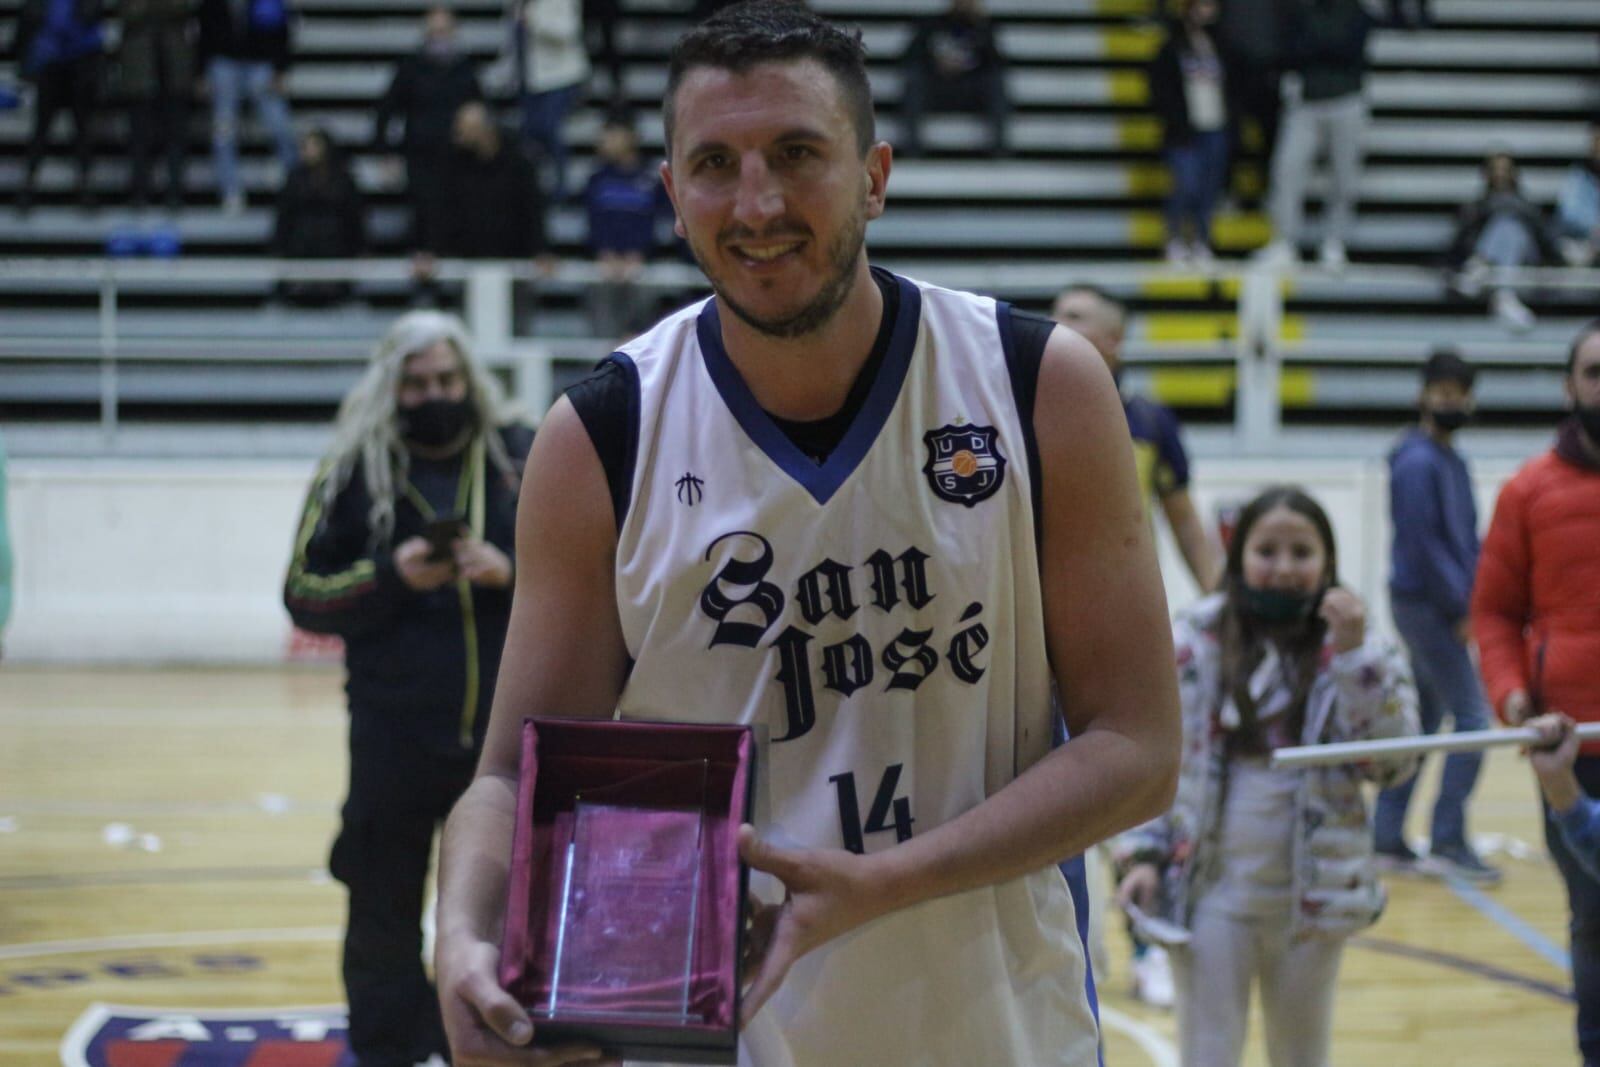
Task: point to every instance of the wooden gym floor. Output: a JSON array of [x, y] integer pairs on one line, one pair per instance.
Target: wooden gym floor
[[163, 836]]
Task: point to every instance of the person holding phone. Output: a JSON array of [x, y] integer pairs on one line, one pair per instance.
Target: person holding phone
[[1269, 870], [404, 550]]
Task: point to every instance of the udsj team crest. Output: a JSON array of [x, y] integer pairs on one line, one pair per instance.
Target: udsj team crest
[[964, 463], [109, 1035]]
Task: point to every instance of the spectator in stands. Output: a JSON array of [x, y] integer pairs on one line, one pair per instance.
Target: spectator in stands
[[1188, 88], [1250, 34], [494, 208], [1536, 615], [1163, 470], [552, 69], [244, 51], [156, 60], [427, 90], [1325, 110], [954, 64], [60, 45], [624, 197], [320, 216], [1433, 558], [1270, 869], [404, 550], [1503, 229], [1578, 207]]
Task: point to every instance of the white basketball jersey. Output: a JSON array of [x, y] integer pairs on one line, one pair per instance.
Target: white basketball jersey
[[880, 615]]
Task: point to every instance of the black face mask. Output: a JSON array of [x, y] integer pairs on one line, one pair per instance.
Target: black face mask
[[1449, 419], [1277, 607], [435, 423], [1589, 419]]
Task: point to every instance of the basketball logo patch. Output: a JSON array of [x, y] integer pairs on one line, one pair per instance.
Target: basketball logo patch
[[964, 463], [116, 1036]]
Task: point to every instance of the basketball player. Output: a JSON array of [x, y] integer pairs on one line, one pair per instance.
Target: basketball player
[[879, 518]]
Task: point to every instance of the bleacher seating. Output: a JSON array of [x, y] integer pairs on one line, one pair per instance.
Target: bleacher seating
[[1084, 186]]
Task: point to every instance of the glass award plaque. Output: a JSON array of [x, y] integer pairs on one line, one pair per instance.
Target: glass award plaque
[[628, 903]]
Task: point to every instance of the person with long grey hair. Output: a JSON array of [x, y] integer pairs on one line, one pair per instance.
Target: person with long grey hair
[[404, 550]]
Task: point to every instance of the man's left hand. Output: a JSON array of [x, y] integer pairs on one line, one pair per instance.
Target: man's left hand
[[1346, 617], [483, 564], [828, 895]]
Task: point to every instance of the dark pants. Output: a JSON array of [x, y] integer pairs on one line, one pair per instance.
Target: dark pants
[[982, 91], [1199, 167], [75, 86], [399, 793], [600, 19], [1253, 95], [158, 122], [1583, 899], [428, 189]]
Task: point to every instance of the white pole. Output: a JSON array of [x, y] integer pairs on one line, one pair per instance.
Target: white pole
[[1402, 747]]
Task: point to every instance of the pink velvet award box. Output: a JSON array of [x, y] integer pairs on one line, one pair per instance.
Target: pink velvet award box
[[625, 908]]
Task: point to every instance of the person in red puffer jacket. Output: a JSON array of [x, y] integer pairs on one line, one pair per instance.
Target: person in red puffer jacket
[[1536, 615]]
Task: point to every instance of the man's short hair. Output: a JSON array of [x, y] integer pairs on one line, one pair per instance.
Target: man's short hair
[[1446, 365], [747, 34], [1118, 309], [1589, 330]]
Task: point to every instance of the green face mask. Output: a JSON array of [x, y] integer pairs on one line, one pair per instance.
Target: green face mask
[[1279, 606]]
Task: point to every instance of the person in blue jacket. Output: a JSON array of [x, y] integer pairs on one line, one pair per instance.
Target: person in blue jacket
[[1432, 562]]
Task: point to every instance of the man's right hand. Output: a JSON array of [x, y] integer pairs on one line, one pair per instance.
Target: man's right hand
[[1139, 886], [485, 1024], [412, 564], [1516, 707]]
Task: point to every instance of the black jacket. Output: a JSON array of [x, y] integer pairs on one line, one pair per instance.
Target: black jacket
[[407, 654], [495, 208], [320, 215], [1169, 96], [1326, 42], [245, 29], [426, 93]]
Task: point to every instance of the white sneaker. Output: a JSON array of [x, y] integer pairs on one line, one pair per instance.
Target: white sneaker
[[1177, 253], [1333, 255], [1277, 254], [1200, 254], [1510, 310], [1152, 978], [1469, 282]]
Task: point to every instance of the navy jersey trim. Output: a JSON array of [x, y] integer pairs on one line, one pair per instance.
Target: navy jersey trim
[[824, 480], [609, 410], [1024, 355]]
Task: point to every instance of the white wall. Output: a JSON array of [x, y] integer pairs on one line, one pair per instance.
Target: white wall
[[166, 561]]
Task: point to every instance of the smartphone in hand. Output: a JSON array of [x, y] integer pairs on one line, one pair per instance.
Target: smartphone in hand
[[440, 532]]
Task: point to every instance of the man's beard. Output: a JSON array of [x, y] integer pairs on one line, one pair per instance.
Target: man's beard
[[842, 257]]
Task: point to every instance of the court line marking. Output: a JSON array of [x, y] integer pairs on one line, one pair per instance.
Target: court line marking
[[1151, 1041], [165, 876], [176, 939], [1462, 963], [1510, 922]]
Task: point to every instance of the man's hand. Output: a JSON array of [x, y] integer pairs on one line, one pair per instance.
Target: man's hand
[[1139, 886], [1552, 757], [1515, 708], [1346, 617], [481, 563], [828, 895], [412, 563], [485, 1024]]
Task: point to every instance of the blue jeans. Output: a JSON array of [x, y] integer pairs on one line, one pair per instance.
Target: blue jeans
[[230, 80], [1447, 683], [543, 115], [1198, 170], [1583, 898]]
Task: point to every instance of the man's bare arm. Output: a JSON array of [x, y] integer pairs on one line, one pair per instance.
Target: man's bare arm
[[1190, 533], [1110, 647], [564, 656]]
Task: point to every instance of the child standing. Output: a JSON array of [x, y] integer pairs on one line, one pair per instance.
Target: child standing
[[1270, 869]]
